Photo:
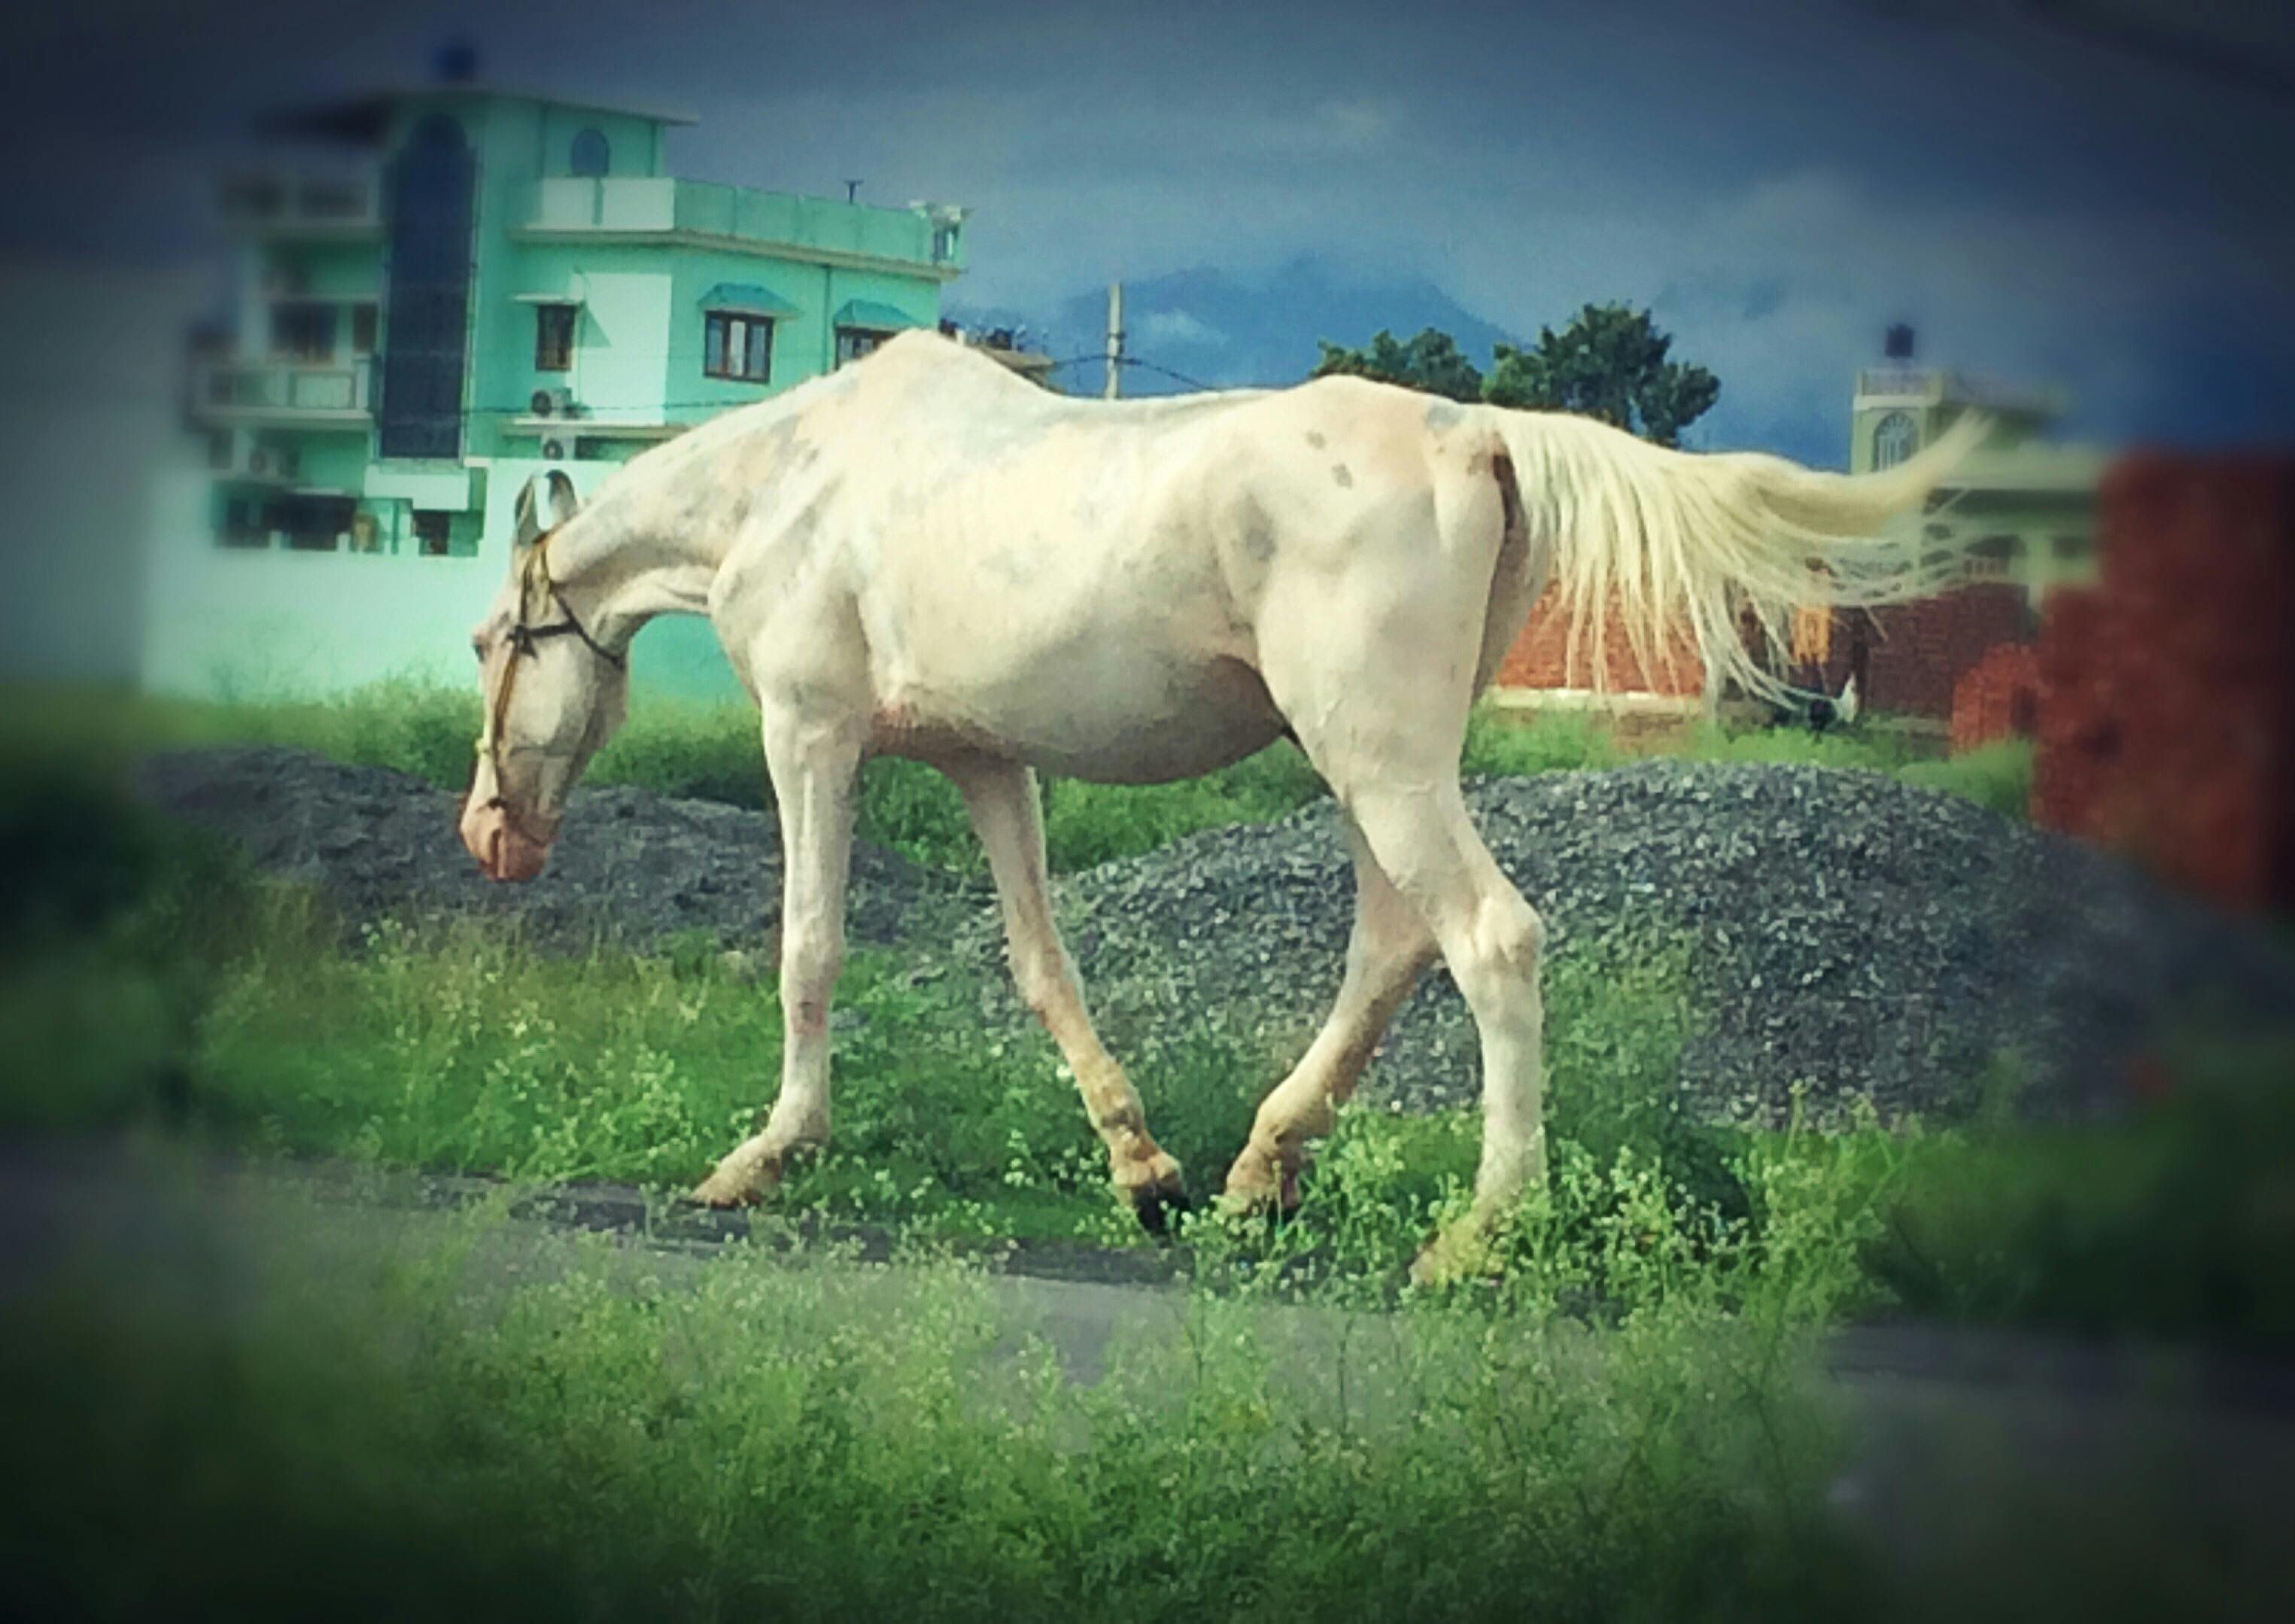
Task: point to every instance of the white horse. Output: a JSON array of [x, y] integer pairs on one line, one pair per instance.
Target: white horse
[[922, 555]]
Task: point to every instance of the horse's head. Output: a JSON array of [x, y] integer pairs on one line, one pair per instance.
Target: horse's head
[[554, 693]]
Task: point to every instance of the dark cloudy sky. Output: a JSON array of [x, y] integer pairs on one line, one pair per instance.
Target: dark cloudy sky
[[1778, 180]]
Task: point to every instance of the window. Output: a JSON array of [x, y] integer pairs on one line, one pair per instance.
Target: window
[[943, 242], [433, 537], [364, 323], [737, 347], [591, 154], [243, 526], [553, 336], [1994, 559], [1893, 439], [317, 524], [303, 331], [431, 207], [855, 342]]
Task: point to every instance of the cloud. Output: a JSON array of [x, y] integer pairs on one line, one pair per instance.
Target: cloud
[[1179, 327], [1778, 184], [1349, 125]]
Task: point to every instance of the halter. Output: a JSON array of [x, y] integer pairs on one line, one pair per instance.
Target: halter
[[524, 641]]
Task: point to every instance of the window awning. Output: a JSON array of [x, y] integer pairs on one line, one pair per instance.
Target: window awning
[[875, 317], [745, 299], [548, 299]]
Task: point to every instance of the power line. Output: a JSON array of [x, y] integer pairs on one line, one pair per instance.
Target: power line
[[1100, 358]]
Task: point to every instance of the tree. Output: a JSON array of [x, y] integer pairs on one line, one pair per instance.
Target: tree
[[1430, 362], [1609, 363]]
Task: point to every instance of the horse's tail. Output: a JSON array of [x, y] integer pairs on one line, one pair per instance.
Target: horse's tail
[[1669, 541]]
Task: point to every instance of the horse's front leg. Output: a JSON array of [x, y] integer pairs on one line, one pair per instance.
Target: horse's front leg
[[1388, 950], [1007, 814], [815, 771]]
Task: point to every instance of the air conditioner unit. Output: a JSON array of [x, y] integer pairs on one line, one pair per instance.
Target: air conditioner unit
[[271, 462], [557, 447], [553, 403]]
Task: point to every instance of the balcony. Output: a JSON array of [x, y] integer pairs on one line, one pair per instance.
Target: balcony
[[317, 394], [269, 203], [924, 240]]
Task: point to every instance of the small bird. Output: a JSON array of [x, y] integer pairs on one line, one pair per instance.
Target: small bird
[[1817, 709], [1836, 712]]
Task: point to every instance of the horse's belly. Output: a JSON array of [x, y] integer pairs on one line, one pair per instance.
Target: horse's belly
[[1146, 725]]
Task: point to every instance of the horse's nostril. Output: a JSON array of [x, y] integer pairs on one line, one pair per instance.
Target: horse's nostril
[[493, 852]]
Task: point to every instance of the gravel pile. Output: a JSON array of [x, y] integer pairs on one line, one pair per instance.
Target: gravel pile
[[1850, 932], [628, 865]]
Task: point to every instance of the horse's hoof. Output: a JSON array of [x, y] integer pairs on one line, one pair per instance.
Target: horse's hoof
[[1155, 1209], [1271, 1199], [1462, 1253], [735, 1185]]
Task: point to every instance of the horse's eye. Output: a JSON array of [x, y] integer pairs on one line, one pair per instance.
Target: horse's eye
[[478, 652]]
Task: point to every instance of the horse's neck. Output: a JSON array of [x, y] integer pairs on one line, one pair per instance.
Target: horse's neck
[[628, 571]]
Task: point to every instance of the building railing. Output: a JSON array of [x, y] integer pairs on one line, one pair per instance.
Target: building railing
[[663, 204], [284, 388], [274, 200], [1921, 383], [1935, 386]]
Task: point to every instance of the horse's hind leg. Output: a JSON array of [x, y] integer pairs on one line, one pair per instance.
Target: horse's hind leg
[[1373, 661], [1389, 948], [1491, 939], [1002, 798]]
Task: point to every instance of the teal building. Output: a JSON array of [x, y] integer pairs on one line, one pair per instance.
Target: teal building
[[451, 289]]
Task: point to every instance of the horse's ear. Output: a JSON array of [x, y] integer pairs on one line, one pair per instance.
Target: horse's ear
[[546, 502], [563, 502]]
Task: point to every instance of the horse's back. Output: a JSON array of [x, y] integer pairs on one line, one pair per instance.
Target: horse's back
[[1087, 583]]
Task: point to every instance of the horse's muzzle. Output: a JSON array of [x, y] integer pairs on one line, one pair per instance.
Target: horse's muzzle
[[504, 852]]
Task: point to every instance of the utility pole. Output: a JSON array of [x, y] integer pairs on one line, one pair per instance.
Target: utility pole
[[851, 190], [1114, 339]]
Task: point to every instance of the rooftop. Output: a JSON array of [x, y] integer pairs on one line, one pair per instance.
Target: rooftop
[[363, 119]]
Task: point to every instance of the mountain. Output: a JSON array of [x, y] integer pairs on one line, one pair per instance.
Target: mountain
[[1216, 329]]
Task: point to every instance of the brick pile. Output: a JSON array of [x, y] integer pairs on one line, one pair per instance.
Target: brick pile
[[2167, 694], [1999, 697]]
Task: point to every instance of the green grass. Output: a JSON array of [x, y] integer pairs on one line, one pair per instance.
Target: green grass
[[1620, 1425], [2179, 1223], [424, 1436], [463, 1051]]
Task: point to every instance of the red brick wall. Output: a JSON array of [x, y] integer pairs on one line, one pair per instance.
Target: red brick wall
[[1912, 654], [2167, 696], [1536, 660], [1916, 654], [1999, 697]]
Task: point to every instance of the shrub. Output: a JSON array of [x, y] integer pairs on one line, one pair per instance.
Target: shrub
[[1997, 776]]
